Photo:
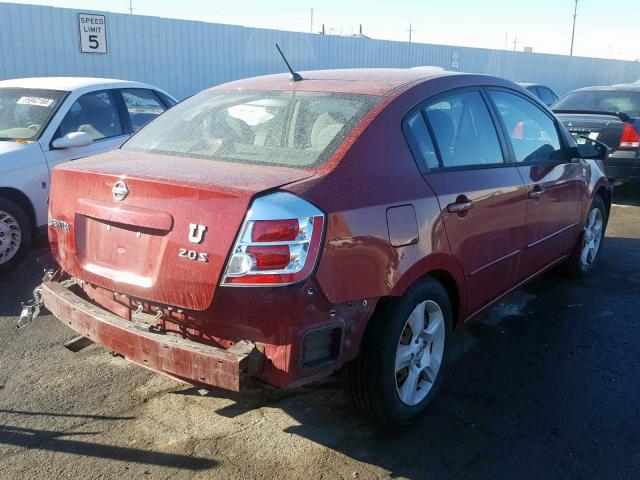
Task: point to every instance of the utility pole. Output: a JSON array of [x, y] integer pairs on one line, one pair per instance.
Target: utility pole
[[573, 31], [131, 7], [515, 43], [411, 30], [506, 40], [311, 20]]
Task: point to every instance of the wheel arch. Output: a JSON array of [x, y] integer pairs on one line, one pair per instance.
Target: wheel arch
[[606, 194], [448, 272], [22, 200]]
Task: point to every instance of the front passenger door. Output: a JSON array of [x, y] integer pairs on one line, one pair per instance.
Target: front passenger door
[[556, 187], [94, 113]]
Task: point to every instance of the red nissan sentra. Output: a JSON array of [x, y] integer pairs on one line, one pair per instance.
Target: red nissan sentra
[[281, 229]]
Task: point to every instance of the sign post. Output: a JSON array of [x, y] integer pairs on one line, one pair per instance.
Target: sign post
[[93, 33]]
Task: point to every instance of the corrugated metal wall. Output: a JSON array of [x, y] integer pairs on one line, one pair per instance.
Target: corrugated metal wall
[[184, 57]]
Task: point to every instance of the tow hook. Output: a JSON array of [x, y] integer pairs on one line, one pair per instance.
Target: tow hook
[[31, 309]]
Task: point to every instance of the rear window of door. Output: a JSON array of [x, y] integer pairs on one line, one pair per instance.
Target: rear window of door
[[463, 130], [142, 106], [94, 113], [546, 95], [533, 134]]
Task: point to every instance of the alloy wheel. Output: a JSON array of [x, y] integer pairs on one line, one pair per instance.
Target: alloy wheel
[[592, 237], [10, 236], [420, 352]]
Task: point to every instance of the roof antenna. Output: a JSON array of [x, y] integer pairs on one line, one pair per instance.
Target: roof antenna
[[295, 76]]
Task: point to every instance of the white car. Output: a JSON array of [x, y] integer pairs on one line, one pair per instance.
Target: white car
[[47, 121]]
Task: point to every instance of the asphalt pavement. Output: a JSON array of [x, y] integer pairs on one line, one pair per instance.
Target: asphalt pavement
[[545, 385]]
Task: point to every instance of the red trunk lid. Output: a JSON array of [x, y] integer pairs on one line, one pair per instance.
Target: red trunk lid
[[133, 246]]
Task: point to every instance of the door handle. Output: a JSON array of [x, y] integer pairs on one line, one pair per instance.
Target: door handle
[[536, 193], [460, 207]]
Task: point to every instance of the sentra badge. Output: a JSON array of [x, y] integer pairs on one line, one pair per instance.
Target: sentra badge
[[58, 224]]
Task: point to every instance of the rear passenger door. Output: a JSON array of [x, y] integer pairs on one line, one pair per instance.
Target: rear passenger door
[[482, 196], [556, 187]]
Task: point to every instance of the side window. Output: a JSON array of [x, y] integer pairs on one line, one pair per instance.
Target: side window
[[94, 113], [533, 133], [546, 96], [142, 105], [535, 91], [421, 143], [169, 102], [464, 131]]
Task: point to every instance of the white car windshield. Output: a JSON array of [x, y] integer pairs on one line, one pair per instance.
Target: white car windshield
[[24, 112], [293, 129]]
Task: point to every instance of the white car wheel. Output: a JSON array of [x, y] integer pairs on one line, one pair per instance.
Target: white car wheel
[[10, 236]]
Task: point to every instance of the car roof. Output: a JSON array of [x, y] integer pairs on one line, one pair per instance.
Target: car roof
[[628, 87], [68, 83], [529, 84], [366, 81]]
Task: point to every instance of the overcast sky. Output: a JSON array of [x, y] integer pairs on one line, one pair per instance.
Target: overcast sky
[[606, 29]]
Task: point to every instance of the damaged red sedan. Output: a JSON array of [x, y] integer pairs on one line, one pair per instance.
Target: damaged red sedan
[[282, 229]]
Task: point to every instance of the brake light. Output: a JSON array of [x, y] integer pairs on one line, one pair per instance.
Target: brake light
[[629, 137], [278, 244], [275, 230]]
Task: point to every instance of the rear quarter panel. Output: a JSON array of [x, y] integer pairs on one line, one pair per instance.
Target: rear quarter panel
[[377, 173]]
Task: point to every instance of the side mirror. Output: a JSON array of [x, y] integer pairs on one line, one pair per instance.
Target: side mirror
[[592, 149], [72, 139]]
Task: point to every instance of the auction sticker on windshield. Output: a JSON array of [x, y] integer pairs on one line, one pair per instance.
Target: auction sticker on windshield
[[39, 101]]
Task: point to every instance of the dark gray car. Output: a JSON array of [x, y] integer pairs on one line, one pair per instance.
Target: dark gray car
[[610, 115]]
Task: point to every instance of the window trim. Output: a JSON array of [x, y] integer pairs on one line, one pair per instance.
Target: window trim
[[112, 95], [563, 147], [419, 159]]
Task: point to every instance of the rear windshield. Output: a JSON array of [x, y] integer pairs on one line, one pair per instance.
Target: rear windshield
[[293, 129], [601, 101], [24, 112]]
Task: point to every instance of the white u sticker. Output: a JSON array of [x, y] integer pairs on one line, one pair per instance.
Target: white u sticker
[[196, 232]]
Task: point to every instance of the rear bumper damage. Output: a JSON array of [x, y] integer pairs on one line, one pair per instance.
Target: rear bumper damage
[[182, 359]]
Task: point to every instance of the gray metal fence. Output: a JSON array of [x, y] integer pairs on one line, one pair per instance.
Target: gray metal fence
[[184, 57]]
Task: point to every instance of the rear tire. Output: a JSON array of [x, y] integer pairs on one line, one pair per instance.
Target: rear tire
[[403, 356], [15, 234], [584, 258]]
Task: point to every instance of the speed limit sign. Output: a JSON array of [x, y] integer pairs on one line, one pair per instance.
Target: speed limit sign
[[93, 33]]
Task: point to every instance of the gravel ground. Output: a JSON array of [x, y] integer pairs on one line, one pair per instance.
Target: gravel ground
[[546, 384]]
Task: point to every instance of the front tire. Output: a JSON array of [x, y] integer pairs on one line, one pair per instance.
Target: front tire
[[583, 260], [403, 356], [15, 234]]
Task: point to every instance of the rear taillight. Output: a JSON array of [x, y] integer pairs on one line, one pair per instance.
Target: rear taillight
[[278, 243], [629, 137]]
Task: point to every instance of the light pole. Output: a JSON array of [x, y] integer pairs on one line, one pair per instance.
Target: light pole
[[573, 31], [411, 30]]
